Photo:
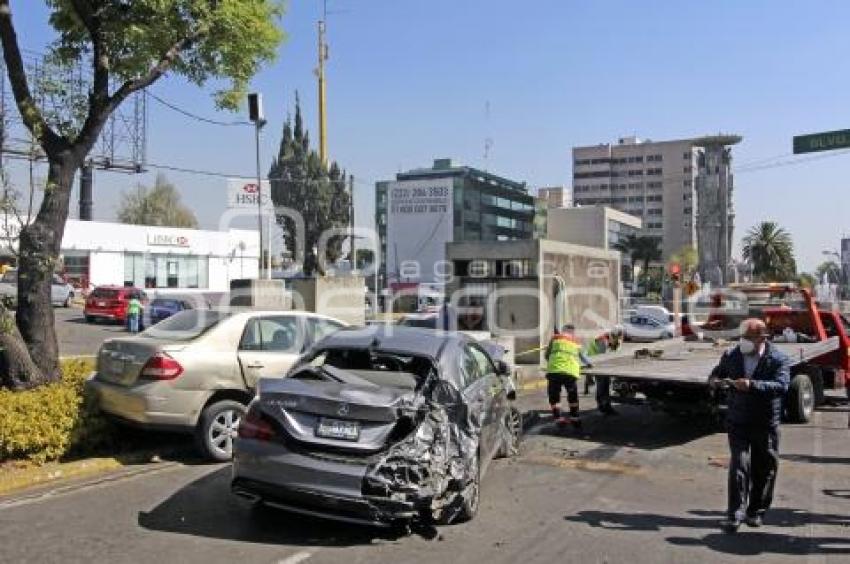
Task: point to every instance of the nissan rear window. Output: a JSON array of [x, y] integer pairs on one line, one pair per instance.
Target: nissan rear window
[[186, 325], [104, 293]]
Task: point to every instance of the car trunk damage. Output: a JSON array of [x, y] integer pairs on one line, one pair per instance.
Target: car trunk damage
[[413, 438]]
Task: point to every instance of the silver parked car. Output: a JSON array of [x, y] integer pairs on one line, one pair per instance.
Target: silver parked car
[[61, 293], [197, 370], [379, 425]]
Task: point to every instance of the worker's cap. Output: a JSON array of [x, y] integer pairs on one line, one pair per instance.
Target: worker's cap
[[568, 328], [754, 328]]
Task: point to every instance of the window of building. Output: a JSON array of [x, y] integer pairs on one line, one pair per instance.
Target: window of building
[[653, 172], [687, 170], [654, 211], [165, 271], [76, 267], [687, 155], [687, 210], [635, 173]]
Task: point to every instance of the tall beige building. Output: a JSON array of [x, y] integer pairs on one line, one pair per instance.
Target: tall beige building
[[657, 182]]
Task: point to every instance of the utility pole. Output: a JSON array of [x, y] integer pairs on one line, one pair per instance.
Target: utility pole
[[351, 237], [320, 74], [255, 114]]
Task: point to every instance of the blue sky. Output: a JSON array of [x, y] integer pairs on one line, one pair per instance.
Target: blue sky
[[410, 80]]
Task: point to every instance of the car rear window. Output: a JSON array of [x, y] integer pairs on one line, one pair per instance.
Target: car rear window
[[106, 293], [186, 325]]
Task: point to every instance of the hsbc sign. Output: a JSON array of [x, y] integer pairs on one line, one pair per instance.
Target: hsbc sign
[[245, 194], [167, 240]]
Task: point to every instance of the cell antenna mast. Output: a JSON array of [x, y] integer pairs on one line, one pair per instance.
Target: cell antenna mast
[[320, 74]]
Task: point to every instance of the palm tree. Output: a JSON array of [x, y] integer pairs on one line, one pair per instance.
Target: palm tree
[[768, 248], [640, 248]]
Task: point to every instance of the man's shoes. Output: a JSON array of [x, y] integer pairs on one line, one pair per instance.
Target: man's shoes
[[730, 526], [607, 409], [754, 521]]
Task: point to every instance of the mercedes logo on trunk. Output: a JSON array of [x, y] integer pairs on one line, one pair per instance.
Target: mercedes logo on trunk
[[342, 410]]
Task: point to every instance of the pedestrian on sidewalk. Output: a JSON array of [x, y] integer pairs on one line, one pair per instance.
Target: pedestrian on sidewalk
[[134, 314], [564, 359], [758, 375]]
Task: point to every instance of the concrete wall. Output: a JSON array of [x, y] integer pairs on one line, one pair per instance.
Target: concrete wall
[[581, 226], [342, 297], [525, 307]]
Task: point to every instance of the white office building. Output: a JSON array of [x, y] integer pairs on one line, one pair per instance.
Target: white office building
[[96, 253]]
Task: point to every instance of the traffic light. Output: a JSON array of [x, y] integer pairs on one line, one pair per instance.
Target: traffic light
[[675, 272]]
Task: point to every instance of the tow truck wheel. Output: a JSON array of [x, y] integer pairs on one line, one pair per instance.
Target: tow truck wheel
[[801, 399]]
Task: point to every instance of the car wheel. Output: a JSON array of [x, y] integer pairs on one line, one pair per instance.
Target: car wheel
[[513, 427], [216, 429], [90, 319], [472, 496], [801, 399]]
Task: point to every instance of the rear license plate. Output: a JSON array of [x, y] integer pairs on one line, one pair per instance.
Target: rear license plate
[[336, 429], [101, 304]]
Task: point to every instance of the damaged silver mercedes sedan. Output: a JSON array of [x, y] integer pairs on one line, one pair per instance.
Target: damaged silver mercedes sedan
[[382, 425]]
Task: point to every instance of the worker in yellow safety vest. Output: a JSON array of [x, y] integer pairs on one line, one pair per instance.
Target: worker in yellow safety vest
[[564, 359]]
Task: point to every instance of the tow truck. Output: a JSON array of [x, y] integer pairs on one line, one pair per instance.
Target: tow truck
[[676, 376]]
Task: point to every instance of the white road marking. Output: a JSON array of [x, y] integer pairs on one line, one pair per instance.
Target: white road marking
[[296, 558]]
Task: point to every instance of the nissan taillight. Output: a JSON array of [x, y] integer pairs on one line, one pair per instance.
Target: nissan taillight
[[254, 426], [161, 367]]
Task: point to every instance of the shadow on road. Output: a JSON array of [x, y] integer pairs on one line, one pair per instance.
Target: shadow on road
[[746, 542], [634, 428], [206, 508], [814, 459]]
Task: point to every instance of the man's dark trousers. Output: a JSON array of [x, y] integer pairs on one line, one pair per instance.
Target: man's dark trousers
[[752, 469]]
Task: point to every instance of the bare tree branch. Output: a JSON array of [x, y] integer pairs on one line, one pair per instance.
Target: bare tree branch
[[30, 113]]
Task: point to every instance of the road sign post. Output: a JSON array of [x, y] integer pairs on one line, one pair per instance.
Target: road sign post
[[825, 141]]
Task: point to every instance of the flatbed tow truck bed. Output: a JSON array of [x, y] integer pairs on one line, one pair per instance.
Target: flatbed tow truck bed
[[691, 363]]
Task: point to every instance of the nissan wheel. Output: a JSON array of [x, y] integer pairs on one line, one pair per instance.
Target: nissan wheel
[[217, 428]]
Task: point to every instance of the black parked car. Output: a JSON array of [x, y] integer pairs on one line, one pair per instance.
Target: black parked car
[[379, 425]]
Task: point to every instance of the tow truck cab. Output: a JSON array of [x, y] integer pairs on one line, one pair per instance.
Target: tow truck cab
[[787, 306]]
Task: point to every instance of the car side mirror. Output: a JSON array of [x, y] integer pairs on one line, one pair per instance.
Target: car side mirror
[[502, 368]]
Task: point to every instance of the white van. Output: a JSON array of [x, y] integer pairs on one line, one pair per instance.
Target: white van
[[657, 312]]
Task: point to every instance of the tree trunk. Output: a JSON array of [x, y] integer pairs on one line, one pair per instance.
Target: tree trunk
[[39, 246], [17, 370]]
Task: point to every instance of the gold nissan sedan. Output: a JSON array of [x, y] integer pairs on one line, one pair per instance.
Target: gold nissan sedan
[[197, 371]]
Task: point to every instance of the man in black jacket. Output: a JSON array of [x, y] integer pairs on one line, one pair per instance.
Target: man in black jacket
[[758, 376]]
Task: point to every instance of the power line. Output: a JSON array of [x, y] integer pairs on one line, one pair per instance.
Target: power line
[[196, 117]]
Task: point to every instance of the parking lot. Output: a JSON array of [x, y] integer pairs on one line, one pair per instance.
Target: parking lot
[[76, 337], [641, 487]]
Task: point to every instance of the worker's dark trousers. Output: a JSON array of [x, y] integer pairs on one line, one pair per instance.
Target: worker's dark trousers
[[752, 470], [569, 383], [603, 390]]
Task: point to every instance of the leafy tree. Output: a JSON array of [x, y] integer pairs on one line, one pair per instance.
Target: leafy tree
[[159, 205], [365, 258], [687, 258], [832, 271], [640, 249], [768, 248], [806, 280], [301, 182], [127, 46]]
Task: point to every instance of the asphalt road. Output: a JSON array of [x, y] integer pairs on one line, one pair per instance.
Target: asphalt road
[[76, 337], [641, 487]]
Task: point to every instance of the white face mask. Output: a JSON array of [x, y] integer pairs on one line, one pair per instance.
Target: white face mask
[[748, 347]]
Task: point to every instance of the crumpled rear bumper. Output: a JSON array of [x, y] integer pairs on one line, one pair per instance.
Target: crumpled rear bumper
[[363, 510]]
